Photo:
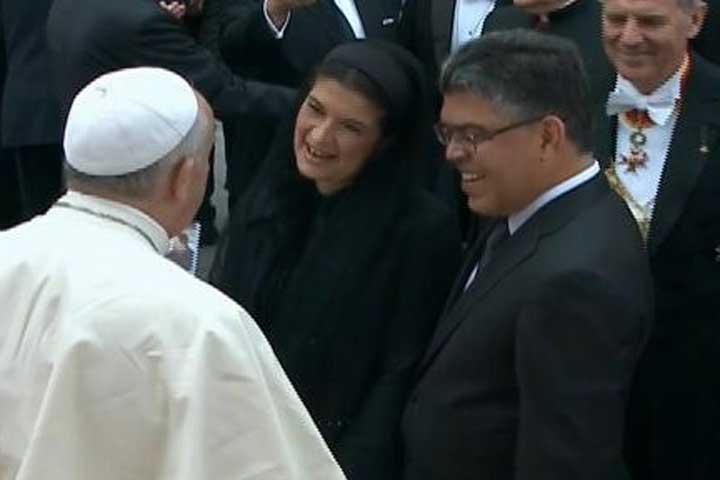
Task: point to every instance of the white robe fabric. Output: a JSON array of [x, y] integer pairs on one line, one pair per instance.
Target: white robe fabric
[[115, 364]]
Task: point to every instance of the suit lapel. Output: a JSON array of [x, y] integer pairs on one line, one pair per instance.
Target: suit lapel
[[471, 258], [511, 254], [371, 14], [443, 21], [686, 159]]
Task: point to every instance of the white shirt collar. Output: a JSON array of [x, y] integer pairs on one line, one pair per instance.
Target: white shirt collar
[[518, 219], [121, 213]]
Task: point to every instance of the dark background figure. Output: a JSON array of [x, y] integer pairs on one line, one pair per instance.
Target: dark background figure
[[578, 21], [343, 262], [252, 48], [31, 124], [674, 415], [527, 374], [91, 37]]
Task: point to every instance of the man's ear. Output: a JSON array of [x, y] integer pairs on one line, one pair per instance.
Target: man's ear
[[552, 134], [182, 177]]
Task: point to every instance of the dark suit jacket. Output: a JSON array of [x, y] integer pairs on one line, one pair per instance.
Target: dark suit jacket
[[527, 373], [248, 42], [30, 112], [580, 22], [675, 429], [91, 37]]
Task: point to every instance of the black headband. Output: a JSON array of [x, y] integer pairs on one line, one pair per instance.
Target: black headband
[[382, 64]]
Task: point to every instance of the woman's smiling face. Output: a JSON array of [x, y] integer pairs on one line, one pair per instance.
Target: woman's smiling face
[[336, 132]]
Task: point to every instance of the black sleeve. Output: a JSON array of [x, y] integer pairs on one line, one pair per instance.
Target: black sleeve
[[369, 449], [247, 43], [165, 43]]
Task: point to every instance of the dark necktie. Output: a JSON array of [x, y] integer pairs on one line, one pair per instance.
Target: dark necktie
[[497, 236]]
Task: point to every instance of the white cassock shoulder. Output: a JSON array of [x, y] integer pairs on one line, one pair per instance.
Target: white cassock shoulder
[[174, 384]]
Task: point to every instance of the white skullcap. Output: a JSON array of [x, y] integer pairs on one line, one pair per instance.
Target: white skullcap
[[127, 120]]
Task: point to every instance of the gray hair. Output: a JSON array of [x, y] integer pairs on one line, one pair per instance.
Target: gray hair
[[525, 74], [141, 183], [687, 5]]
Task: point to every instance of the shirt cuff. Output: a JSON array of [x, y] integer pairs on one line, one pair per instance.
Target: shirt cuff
[[278, 33]]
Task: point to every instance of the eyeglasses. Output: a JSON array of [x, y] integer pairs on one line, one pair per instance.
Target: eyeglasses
[[474, 136]]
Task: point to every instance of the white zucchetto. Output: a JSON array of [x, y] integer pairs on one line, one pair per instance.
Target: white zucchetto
[[127, 120]]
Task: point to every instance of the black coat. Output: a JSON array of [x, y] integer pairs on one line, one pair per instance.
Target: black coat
[[249, 45], [580, 22], [347, 299], [30, 112], [675, 414], [527, 373], [91, 37]]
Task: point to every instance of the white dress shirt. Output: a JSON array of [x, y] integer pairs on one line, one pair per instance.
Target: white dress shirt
[[643, 183], [347, 7], [518, 219], [470, 16]]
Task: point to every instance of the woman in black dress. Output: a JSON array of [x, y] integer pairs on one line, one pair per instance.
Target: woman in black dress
[[342, 261]]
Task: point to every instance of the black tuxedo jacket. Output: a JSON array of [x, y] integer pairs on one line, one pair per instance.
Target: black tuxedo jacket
[[249, 44], [527, 372], [426, 29], [579, 22], [88, 38], [675, 429], [30, 112]]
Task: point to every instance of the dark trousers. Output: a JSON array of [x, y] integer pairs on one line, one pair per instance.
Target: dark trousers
[[30, 181]]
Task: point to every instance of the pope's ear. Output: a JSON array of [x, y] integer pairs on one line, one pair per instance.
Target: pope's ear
[[182, 177]]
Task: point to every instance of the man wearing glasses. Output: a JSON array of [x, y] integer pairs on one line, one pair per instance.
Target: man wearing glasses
[[528, 371]]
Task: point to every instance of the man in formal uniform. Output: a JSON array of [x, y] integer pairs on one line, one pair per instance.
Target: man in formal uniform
[[658, 142], [114, 362], [527, 374]]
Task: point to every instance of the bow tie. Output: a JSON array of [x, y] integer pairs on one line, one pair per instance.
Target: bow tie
[[659, 109]]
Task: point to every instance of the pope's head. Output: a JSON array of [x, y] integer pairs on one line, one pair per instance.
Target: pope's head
[[141, 136]]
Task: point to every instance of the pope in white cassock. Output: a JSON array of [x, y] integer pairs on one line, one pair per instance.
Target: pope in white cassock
[[114, 362]]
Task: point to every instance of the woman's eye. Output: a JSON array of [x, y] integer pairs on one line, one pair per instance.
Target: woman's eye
[[351, 127], [314, 107]]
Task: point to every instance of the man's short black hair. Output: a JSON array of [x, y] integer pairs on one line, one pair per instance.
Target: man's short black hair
[[525, 74]]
